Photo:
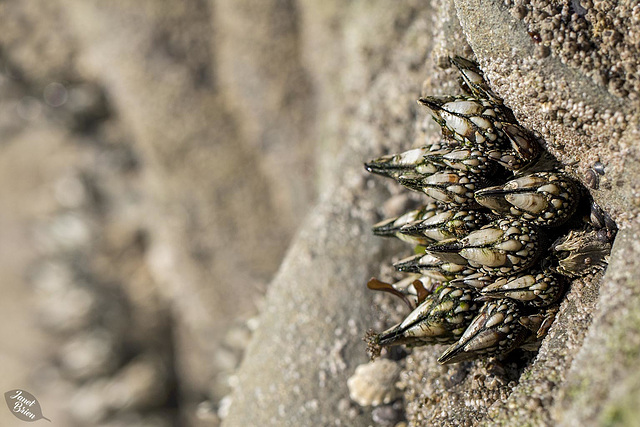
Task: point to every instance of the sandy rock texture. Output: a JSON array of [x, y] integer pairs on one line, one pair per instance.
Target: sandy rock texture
[[183, 189], [310, 336], [582, 373], [586, 122], [575, 115]]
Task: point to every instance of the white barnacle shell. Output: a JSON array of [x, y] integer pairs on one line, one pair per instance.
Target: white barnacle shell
[[373, 383], [466, 158], [495, 330], [391, 227], [536, 288], [474, 79], [451, 187], [500, 248], [469, 120], [394, 165], [546, 198]]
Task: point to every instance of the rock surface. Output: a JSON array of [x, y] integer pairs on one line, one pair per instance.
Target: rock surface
[[180, 150], [593, 125]]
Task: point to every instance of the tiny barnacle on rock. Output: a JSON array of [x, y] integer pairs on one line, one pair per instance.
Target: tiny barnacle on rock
[[598, 168], [592, 179], [593, 174]]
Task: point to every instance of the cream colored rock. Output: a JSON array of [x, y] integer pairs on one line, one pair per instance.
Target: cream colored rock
[[373, 383]]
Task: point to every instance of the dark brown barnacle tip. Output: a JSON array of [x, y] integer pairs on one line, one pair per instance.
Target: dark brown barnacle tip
[[372, 338], [433, 103], [373, 167]]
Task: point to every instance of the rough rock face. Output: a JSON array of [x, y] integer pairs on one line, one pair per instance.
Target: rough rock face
[[168, 153], [583, 124]]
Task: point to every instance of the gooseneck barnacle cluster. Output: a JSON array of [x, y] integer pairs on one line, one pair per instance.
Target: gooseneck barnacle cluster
[[501, 230]]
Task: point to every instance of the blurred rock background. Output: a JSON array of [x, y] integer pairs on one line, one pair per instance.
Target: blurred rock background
[[157, 158]]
